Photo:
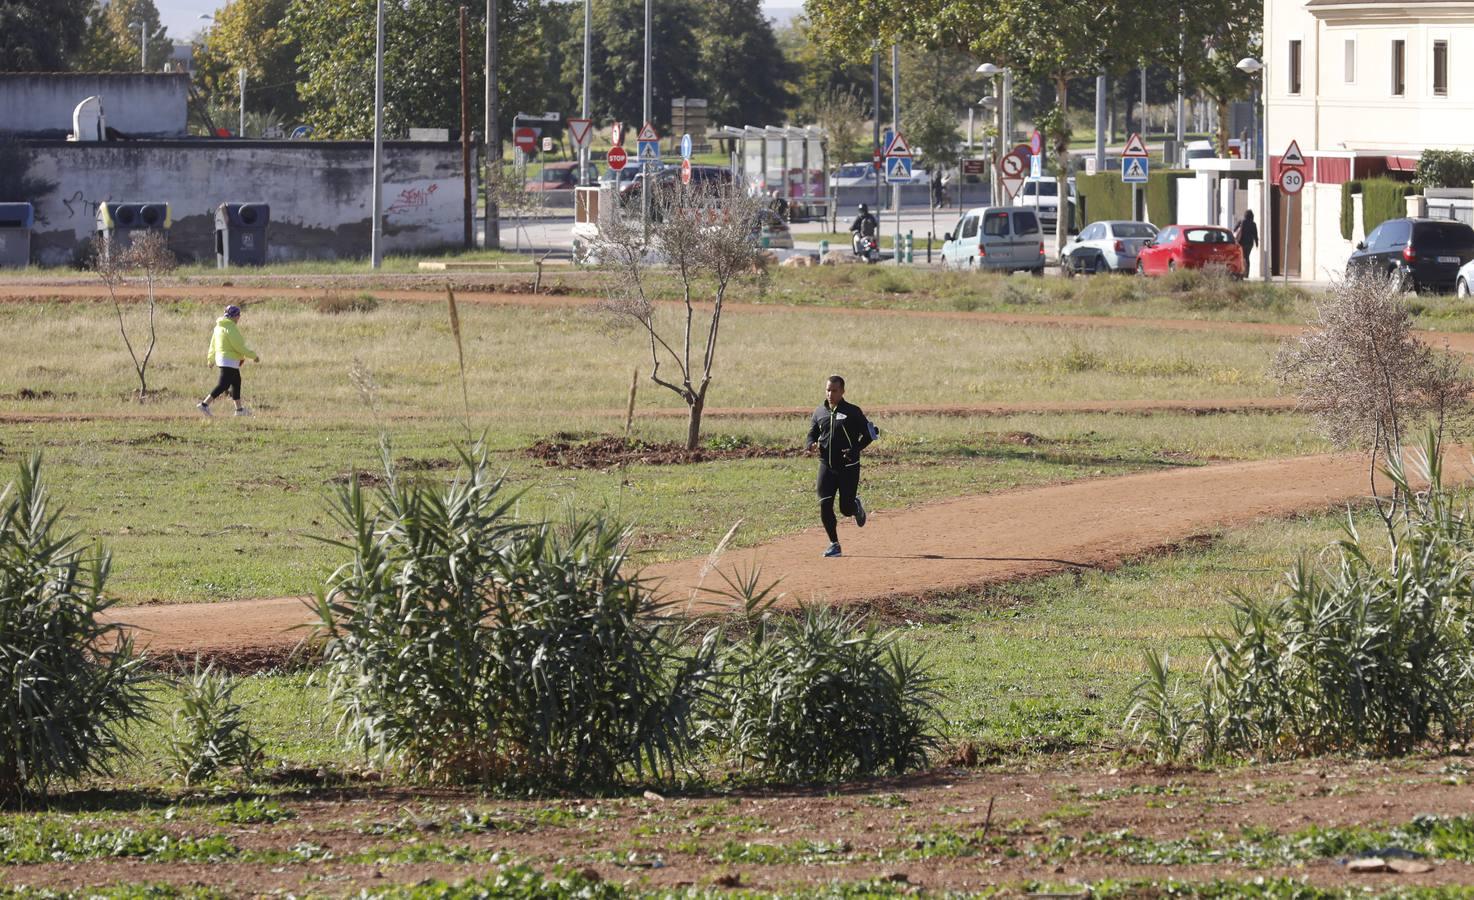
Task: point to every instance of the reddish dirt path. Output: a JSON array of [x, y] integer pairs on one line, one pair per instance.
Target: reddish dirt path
[[1462, 342], [1107, 407], [939, 547]]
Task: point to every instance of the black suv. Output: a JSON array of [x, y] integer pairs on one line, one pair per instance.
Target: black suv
[[1419, 254]]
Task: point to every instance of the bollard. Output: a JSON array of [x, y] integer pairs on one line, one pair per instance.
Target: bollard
[[823, 250], [910, 247], [767, 238]]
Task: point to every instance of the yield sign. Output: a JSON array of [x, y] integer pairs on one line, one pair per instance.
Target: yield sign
[[898, 146], [1293, 156], [580, 132], [1135, 147], [648, 133]]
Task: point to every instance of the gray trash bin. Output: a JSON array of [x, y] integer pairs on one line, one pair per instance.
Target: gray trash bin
[[240, 234], [16, 220], [119, 223]]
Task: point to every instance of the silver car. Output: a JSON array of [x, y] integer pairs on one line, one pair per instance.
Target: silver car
[[1106, 247]]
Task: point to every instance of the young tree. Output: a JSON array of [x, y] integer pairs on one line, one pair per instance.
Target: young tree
[[111, 43], [617, 59], [1216, 35], [149, 255], [249, 34], [744, 72], [842, 115], [703, 248]]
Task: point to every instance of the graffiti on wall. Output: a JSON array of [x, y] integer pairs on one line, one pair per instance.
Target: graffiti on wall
[[413, 198]]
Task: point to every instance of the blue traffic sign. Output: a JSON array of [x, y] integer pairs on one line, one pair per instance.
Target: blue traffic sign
[[897, 168], [685, 146], [650, 150], [1134, 169]]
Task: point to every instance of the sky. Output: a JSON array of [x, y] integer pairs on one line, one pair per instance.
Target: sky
[[182, 17]]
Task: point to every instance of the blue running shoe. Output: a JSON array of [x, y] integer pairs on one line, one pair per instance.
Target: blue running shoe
[[832, 551]]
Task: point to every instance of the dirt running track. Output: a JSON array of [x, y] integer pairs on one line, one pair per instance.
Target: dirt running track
[[939, 547]]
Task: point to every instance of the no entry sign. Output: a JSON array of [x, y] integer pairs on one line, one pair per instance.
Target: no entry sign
[[616, 158], [525, 139]]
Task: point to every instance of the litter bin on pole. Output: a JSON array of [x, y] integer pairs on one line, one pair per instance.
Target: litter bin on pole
[[118, 224], [240, 234], [16, 221]]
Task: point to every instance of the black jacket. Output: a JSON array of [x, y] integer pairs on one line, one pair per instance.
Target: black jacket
[[1247, 234], [841, 434], [865, 224]]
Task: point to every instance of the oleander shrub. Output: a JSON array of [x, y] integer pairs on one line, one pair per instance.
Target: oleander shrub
[[1369, 651], [820, 696], [210, 731], [69, 683], [468, 647], [1445, 169]]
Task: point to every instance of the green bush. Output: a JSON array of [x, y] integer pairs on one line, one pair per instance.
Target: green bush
[[1349, 189], [1382, 199], [1105, 197], [1445, 169], [1161, 196], [814, 697], [210, 730], [1359, 654], [68, 683], [471, 648]]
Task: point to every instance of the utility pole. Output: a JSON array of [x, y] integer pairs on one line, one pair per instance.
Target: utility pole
[[896, 88], [492, 138], [242, 131], [875, 114], [645, 168], [1100, 122], [588, 49], [468, 207], [1181, 77], [376, 239]]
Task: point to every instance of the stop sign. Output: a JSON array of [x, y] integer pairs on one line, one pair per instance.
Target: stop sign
[[616, 158], [525, 139]]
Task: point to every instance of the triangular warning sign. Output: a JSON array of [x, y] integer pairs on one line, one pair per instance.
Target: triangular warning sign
[[898, 147], [648, 133], [579, 132], [1134, 168], [1134, 146], [1293, 156]]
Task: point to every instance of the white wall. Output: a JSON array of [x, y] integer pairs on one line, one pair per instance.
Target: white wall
[[146, 105]]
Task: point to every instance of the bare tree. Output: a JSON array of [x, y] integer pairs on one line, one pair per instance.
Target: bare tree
[[700, 247], [150, 257], [842, 114], [509, 189], [1366, 378]]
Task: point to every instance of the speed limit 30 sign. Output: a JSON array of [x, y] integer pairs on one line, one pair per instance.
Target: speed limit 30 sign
[[1292, 180]]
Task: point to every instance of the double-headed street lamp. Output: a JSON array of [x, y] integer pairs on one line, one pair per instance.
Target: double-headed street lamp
[[1002, 97], [1255, 69]]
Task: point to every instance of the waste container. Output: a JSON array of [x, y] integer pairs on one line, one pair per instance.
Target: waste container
[[119, 223], [16, 220], [240, 234]]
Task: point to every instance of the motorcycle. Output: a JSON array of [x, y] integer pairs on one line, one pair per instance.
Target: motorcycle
[[866, 247]]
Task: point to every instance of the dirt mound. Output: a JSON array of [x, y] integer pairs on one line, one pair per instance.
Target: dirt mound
[[609, 451]]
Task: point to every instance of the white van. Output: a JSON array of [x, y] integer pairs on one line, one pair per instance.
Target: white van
[[995, 237]]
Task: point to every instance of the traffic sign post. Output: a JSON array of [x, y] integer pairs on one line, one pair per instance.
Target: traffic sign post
[[580, 133], [685, 146], [1036, 143], [1011, 173], [1135, 170], [1291, 181], [1036, 165], [898, 169], [897, 172], [616, 158], [525, 140], [1135, 147], [686, 171]]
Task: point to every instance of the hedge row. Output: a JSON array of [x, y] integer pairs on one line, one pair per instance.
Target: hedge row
[[1106, 197], [1381, 199]]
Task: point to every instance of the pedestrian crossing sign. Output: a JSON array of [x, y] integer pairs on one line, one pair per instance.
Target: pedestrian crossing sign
[[650, 150], [897, 169], [1134, 169]]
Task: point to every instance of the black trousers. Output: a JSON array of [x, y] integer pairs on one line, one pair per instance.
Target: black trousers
[[230, 380], [843, 481]]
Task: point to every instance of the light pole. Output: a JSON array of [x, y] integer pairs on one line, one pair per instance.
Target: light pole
[[646, 183], [1255, 69], [376, 238], [142, 45], [588, 45], [1001, 78], [991, 103]]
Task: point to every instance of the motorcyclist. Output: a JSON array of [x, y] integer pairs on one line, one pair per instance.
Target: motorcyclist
[[865, 225]]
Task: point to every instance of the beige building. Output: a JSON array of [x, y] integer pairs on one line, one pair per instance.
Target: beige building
[[1363, 86]]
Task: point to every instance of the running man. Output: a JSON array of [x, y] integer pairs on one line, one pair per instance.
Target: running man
[[228, 350], [840, 431]]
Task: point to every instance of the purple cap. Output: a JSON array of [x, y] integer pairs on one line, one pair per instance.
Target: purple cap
[[232, 311]]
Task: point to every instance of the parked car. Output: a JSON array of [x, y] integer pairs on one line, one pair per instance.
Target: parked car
[[627, 180], [995, 237], [1464, 286], [1418, 254], [1190, 247], [563, 176], [1042, 194], [1106, 247], [1209, 150], [858, 174]]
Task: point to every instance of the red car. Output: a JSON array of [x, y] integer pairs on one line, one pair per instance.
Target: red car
[[1190, 247]]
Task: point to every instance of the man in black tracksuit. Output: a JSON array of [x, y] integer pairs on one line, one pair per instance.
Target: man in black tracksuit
[[841, 431]]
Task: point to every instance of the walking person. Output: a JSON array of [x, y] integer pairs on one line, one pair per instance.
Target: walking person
[[227, 351], [840, 431], [937, 188], [1247, 235]]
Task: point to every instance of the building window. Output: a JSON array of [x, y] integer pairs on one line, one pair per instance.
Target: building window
[[1350, 62], [1440, 68], [1399, 68], [1294, 67]]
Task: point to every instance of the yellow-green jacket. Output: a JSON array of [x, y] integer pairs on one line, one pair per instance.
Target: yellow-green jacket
[[227, 341]]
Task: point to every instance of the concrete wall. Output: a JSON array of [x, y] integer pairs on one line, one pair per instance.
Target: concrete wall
[[319, 192], [144, 105]]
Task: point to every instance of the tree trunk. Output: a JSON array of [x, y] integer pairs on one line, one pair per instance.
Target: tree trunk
[[693, 423], [1062, 165], [1221, 135]]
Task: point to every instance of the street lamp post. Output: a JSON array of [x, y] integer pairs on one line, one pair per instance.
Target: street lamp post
[[376, 235], [142, 45], [1000, 99], [1255, 69]]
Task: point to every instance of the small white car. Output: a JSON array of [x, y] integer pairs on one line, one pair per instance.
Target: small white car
[[857, 174], [995, 237], [1042, 195], [1106, 247], [1464, 284]]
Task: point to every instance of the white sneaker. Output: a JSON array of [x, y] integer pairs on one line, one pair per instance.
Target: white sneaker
[[243, 411], [204, 408]]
